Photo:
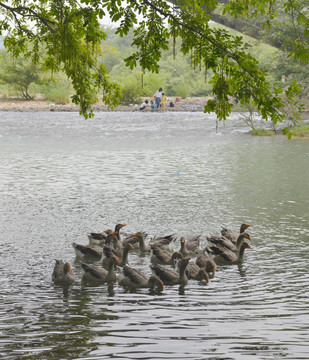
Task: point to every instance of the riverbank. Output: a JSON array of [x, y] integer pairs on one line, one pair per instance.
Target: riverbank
[[14, 104], [190, 104]]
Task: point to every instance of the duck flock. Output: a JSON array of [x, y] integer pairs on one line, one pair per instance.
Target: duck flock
[[105, 260]]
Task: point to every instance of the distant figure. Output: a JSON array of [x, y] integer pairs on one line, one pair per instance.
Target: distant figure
[[163, 101], [157, 97], [144, 105], [177, 100], [171, 104], [153, 106]]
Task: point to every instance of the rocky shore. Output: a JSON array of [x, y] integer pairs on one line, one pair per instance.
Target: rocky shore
[[18, 105]]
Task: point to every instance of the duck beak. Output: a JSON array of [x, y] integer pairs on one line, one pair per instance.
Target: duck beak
[[117, 261], [162, 287], [188, 258], [249, 246], [207, 280], [213, 270], [131, 246], [249, 237]]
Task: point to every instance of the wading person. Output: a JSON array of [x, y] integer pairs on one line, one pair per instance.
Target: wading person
[[157, 97]]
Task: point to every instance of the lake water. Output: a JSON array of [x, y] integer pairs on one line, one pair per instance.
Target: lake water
[[62, 177]]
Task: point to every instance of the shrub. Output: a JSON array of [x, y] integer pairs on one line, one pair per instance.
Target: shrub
[[58, 93], [301, 130], [262, 132]]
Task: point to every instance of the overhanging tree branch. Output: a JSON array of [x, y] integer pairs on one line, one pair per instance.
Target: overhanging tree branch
[[25, 12]]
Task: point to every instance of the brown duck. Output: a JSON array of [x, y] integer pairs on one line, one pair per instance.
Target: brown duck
[[206, 262], [62, 274], [228, 257], [172, 277], [220, 244], [193, 271], [233, 235], [90, 251], [162, 255], [135, 279], [190, 247], [97, 274]]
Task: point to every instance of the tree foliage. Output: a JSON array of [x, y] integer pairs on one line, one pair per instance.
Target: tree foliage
[[71, 34], [19, 73]]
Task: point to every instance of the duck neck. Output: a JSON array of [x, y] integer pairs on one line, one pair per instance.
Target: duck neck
[[241, 253], [142, 244], [116, 243], [125, 255], [240, 241], [182, 273], [111, 266], [183, 247]]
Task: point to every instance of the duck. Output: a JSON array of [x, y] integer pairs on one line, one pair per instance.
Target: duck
[[194, 272], [222, 243], [141, 240], [228, 257], [94, 252], [62, 273], [135, 279], [132, 239], [233, 235], [190, 247], [118, 227], [172, 277], [206, 262], [97, 274], [98, 238], [162, 255], [122, 256], [163, 240]]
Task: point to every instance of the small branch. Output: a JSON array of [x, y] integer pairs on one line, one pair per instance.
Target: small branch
[[31, 13], [209, 39]]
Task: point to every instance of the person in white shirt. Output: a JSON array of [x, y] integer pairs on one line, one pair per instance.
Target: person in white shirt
[[157, 97], [144, 105]]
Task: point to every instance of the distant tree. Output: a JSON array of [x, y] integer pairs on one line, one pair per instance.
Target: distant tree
[[71, 34], [19, 73]]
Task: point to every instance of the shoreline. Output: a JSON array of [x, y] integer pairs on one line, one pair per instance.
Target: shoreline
[[20, 105], [190, 104]]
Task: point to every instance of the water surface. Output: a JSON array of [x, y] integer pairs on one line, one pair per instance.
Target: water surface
[[62, 177]]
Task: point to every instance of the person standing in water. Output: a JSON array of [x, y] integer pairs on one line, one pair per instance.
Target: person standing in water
[[157, 97]]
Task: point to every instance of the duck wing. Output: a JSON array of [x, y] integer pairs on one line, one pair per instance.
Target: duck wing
[[93, 272]]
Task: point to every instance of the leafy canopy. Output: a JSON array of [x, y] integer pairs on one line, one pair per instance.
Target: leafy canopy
[[71, 34]]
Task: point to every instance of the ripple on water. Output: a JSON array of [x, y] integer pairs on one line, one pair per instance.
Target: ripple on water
[[122, 168]]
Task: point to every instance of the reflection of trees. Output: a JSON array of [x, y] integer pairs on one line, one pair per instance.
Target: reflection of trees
[[66, 329]]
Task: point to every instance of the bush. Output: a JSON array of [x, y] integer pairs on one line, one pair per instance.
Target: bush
[[58, 93], [301, 130], [131, 89], [182, 90], [5, 91], [262, 132]]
